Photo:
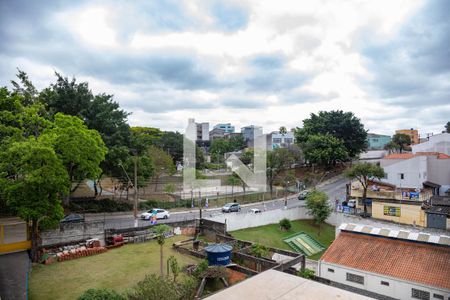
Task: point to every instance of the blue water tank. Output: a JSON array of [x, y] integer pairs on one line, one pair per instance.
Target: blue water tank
[[218, 254]]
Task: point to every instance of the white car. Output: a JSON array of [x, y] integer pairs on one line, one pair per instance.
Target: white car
[[255, 211], [160, 214]]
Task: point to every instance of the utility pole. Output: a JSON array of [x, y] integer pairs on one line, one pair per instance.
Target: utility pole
[[135, 192]]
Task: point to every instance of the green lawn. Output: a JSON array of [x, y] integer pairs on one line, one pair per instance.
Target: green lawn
[[117, 269], [271, 235]]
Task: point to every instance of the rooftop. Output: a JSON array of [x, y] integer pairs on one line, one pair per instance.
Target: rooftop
[[273, 285], [421, 262], [411, 155]]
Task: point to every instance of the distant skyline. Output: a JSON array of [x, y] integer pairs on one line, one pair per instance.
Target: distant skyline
[[267, 63]]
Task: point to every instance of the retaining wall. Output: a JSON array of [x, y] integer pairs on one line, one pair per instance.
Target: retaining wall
[[73, 232]]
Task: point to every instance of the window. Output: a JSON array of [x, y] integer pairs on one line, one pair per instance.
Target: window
[[419, 294], [276, 140], [437, 296], [402, 176], [385, 283], [288, 140], [355, 278], [330, 270]]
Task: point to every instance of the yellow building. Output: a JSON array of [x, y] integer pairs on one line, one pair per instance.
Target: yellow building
[[391, 204], [413, 133]]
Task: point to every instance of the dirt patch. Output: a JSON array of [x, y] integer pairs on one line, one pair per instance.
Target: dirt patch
[[235, 276]]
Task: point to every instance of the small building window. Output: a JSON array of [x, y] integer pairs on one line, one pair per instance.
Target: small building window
[[385, 283], [355, 278], [437, 296], [330, 270], [419, 294], [402, 176]]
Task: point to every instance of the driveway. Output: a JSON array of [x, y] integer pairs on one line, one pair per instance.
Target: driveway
[[14, 269]]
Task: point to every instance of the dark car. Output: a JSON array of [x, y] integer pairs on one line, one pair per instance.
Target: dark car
[[230, 207], [73, 218]]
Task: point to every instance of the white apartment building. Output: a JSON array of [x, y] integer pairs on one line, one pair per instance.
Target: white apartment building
[[436, 143], [413, 170], [277, 140]]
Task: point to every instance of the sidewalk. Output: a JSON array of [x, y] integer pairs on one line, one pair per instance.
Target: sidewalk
[[14, 268]]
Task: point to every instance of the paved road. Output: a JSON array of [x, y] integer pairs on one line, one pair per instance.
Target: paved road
[[335, 188]]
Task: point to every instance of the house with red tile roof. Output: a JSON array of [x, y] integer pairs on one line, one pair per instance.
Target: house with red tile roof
[[397, 264]]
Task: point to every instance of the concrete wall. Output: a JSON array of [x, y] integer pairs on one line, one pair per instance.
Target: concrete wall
[[439, 172], [397, 288], [409, 214], [436, 143], [236, 221], [72, 232], [411, 168]]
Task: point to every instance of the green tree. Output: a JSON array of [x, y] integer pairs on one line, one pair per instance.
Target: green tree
[[33, 180], [218, 149], [401, 141], [247, 157], [174, 267], [324, 149], [160, 231], [236, 143], [342, 125], [447, 127], [163, 163], [364, 172], [283, 130], [80, 149], [172, 143], [318, 207], [278, 160], [391, 146], [233, 180]]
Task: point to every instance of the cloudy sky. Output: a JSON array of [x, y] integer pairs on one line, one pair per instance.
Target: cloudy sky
[[269, 63]]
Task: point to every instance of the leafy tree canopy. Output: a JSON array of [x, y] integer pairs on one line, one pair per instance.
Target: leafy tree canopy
[[324, 149], [318, 206], [341, 125]]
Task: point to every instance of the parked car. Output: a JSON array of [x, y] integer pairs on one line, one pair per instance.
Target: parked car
[[73, 218], [302, 195], [351, 203], [255, 211], [230, 207], [160, 214]]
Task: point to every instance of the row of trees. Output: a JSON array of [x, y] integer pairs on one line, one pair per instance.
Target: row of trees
[[52, 140]]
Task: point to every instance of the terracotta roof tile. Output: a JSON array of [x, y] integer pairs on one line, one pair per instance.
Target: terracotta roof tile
[[399, 156], [418, 262]]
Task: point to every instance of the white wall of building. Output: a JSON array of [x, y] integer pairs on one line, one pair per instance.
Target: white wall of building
[[413, 171], [436, 143], [398, 288]]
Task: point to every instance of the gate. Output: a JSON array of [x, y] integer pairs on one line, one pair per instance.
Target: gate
[[436, 221]]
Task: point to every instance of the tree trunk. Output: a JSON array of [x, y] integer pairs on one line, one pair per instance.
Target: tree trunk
[[161, 264], [95, 188], [364, 199], [156, 183], [34, 241], [318, 233]]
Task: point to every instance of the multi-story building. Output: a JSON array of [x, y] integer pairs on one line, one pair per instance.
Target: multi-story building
[[202, 131], [250, 132], [216, 133], [434, 143], [227, 127], [418, 170], [277, 140], [400, 264], [377, 141], [413, 133]]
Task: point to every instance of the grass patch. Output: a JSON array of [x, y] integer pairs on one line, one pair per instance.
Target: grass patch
[[118, 269], [271, 235]]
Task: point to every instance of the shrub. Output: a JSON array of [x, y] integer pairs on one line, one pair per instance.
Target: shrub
[[306, 273], [149, 204], [96, 206], [100, 294], [200, 269], [259, 250], [162, 288], [285, 224]]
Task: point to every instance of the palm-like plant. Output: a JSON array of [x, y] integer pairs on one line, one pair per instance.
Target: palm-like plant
[[160, 230]]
